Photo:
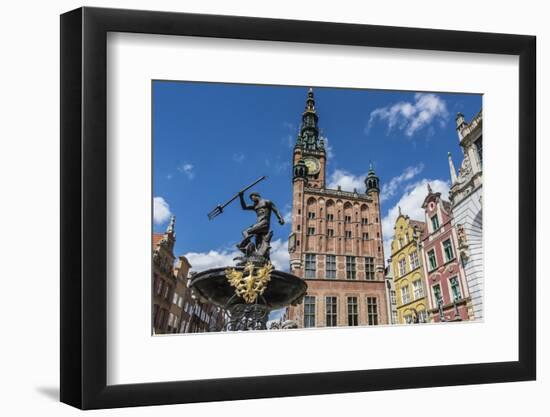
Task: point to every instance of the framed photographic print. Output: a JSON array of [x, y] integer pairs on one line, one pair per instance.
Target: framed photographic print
[[259, 208]]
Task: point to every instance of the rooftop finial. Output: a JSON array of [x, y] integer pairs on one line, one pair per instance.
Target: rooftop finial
[[171, 225], [310, 103], [452, 169], [460, 122], [372, 181], [399, 208], [429, 188]]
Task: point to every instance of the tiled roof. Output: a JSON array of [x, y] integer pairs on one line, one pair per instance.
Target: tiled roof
[[417, 223], [421, 226], [156, 239]]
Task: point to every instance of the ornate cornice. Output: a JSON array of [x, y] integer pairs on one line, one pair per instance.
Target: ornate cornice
[[468, 132]]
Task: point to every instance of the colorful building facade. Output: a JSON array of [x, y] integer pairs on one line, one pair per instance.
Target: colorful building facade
[[336, 240], [408, 270], [448, 296], [164, 280], [179, 295]]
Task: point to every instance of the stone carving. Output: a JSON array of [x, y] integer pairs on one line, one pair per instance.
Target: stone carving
[[463, 246]]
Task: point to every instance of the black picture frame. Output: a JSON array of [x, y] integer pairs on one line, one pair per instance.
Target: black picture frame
[[84, 207]]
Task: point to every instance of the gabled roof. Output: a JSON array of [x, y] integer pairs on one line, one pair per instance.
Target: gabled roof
[[430, 196]]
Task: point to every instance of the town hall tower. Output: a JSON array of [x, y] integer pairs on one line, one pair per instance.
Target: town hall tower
[[336, 239]]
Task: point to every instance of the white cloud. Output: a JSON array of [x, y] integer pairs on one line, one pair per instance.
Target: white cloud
[[346, 180], [187, 169], [390, 188], [411, 117], [279, 255], [201, 261], [411, 205], [287, 213], [239, 157], [290, 138], [287, 216], [161, 210], [329, 150]]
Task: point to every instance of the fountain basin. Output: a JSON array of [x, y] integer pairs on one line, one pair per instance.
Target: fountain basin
[[283, 289]]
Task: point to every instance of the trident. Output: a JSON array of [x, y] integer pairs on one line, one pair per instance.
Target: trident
[[219, 208]]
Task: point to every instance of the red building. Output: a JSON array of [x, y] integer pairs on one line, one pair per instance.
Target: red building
[[174, 309], [336, 239], [448, 295]]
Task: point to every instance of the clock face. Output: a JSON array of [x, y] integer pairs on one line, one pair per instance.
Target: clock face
[[312, 165]]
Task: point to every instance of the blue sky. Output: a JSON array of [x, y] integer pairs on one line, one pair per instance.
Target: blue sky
[[210, 140]]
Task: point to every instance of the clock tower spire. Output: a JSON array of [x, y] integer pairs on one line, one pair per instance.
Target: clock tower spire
[[309, 130], [310, 146]]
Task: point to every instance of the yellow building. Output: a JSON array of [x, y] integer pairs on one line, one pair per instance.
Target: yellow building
[[408, 272]]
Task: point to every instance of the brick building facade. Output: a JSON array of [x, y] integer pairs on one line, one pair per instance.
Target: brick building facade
[[336, 240]]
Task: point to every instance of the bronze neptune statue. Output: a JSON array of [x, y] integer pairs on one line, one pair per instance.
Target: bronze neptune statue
[[258, 250], [252, 288]]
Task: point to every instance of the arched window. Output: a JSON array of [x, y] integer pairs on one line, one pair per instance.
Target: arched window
[[364, 214], [348, 212], [311, 208], [330, 210]]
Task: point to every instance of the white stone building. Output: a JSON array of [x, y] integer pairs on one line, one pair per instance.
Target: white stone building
[[466, 199]]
